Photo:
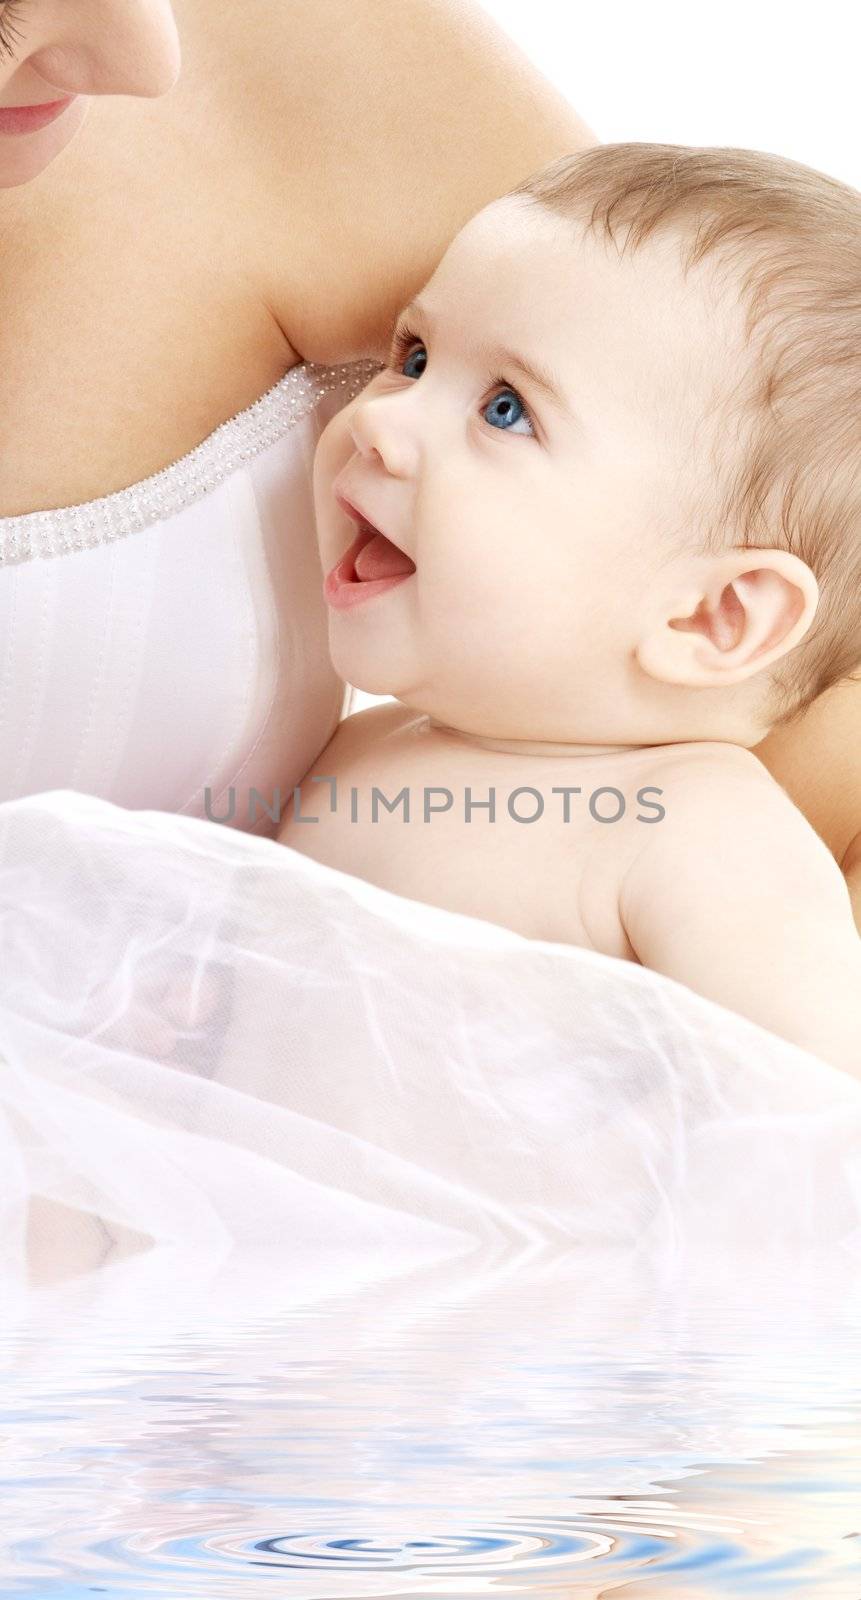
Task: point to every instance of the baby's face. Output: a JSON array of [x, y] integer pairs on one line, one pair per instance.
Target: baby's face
[[530, 445]]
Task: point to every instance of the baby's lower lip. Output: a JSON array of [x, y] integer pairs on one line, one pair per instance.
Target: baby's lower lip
[[342, 589]]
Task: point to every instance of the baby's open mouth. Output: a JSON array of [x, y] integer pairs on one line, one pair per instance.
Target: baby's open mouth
[[372, 565], [372, 556]]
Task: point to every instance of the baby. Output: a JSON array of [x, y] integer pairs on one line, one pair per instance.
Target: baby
[[589, 526]]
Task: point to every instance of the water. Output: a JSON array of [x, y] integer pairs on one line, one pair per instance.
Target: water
[[532, 1434]]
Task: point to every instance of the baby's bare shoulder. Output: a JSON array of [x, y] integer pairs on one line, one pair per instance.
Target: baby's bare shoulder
[[709, 758], [691, 794], [361, 730], [721, 800], [703, 780], [737, 897]]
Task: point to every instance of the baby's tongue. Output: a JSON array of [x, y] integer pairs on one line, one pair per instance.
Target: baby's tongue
[[379, 558]]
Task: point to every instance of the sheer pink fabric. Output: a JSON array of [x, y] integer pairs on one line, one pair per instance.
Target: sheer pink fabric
[[213, 1047]]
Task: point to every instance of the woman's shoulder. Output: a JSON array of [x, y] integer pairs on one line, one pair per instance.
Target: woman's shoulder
[[375, 129]]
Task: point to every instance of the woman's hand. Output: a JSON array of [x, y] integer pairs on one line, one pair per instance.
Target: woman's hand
[[167, 1012]]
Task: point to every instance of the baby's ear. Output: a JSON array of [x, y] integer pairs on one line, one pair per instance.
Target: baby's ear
[[741, 612]]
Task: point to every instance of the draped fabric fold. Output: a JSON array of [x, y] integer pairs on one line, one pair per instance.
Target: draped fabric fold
[[213, 1047]]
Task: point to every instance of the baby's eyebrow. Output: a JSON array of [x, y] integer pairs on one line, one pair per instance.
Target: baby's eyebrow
[[495, 356], [537, 374]]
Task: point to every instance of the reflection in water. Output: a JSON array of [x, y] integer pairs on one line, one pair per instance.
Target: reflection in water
[[454, 1432], [350, 1247]]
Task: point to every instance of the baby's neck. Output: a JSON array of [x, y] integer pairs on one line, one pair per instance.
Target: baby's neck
[[533, 747]]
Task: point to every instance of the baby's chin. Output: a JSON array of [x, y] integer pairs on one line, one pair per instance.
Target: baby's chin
[[369, 677]]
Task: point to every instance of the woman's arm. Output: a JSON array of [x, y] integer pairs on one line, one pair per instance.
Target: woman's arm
[[817, 760], [852, 873], [371, 131]]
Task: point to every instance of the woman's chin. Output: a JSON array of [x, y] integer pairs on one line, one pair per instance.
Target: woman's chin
[[23, 156]]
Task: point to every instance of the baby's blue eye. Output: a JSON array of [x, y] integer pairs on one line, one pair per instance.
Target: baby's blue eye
[[508, 409], [505, 410]]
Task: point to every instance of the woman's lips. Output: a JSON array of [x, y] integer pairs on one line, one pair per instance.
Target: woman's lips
[[342, 588], [28, 119]]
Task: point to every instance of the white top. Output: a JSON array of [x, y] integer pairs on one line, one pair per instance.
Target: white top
[[170, 639]]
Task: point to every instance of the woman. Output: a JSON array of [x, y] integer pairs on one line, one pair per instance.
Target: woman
[[182, 247], [180, 256], [178, 248]]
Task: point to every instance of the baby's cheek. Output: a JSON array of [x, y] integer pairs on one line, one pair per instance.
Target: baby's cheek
[[333, 450]]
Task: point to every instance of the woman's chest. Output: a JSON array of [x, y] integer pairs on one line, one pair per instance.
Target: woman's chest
[[131, 326]]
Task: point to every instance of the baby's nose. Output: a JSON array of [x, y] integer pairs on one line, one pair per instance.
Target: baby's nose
[[383, 427]]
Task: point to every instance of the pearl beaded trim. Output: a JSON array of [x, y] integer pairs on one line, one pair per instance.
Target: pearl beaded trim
[[55, 533]]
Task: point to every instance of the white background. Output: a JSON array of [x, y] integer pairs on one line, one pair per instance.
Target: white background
[[775, 77], [785, 78]]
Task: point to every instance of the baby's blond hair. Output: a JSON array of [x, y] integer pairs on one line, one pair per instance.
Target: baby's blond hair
[[793, 237]]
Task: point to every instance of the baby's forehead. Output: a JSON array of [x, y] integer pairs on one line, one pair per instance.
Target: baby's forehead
[[673, 335], [646, 300], [654, 351], [638, 313]]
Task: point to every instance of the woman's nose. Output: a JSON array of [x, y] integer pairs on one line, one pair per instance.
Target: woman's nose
[[111, 47], [381, 425]]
